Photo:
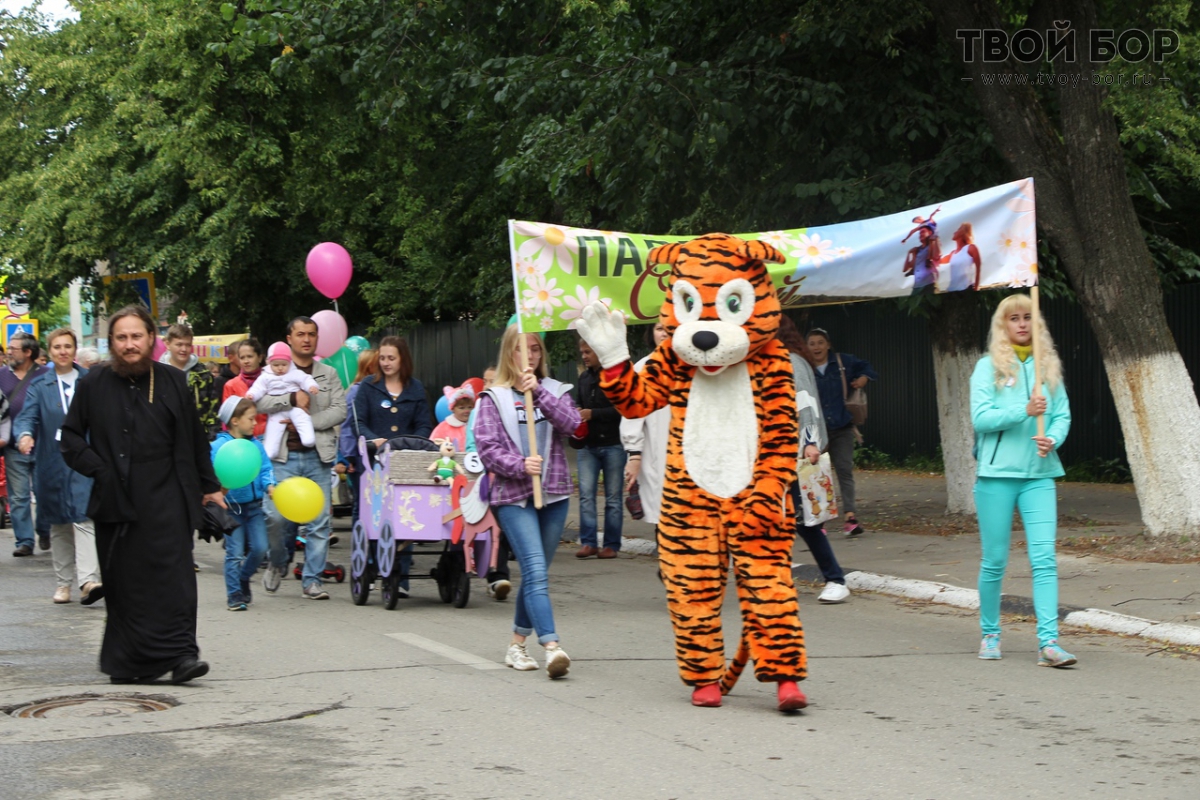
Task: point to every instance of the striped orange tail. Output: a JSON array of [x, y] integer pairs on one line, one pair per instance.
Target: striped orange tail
[[736, 667]]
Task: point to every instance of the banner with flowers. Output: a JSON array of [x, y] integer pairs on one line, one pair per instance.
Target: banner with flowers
[[984, 240]]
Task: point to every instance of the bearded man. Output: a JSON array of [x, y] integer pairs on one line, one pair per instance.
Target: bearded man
[[134, 429]]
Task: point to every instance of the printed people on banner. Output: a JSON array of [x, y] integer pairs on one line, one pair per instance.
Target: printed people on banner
[[964, 262], [502, 436], [843, 434], [1016, 467], [922, 261], [814, 440], [600, 453]]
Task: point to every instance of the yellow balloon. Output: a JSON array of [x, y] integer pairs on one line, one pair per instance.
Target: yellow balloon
[[299, 499]]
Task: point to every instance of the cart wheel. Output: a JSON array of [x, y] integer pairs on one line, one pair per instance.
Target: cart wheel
[[444, 576], [462, 589], [390, 591], [385, 550], [359, 550], [339, 574], [360, 588]]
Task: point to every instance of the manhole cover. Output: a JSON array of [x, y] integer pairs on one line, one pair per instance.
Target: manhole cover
[[91, 705]]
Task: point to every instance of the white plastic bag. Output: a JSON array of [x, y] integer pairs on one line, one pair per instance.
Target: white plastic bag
[[816, 491]]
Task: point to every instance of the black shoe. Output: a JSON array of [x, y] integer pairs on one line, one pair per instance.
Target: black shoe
[[22, 551], [189, 670], [43, 541]]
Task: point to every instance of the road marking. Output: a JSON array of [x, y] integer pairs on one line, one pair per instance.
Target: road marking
[[452, 653]]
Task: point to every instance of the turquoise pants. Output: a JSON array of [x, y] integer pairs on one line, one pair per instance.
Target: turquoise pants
[[1037, 500]]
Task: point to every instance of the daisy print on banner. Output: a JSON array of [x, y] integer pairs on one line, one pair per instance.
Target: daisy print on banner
[[550, 245], [582, 298], [783, 241], [813, 251], [542, 296], [528, 268], [1024, 275]]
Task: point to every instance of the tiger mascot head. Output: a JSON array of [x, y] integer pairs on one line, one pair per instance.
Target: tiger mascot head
[[721, 306]]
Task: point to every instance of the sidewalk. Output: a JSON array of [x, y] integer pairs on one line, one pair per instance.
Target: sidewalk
[[1157, 601]]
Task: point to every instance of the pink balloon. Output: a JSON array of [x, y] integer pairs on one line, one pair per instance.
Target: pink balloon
[[159, 349], [331, 332], [329, 268]]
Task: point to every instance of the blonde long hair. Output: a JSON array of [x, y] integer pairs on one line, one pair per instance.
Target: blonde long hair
[[506, 368], [1004, 358]]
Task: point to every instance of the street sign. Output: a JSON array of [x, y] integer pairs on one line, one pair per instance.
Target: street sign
[[142, 283], [15, 325]]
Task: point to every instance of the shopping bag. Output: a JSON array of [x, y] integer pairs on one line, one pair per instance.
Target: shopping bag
[[816, 491]]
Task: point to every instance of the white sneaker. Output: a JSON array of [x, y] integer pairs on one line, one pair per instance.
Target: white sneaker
[[518, 659], [834, 593], [557, 662], [498, 590]]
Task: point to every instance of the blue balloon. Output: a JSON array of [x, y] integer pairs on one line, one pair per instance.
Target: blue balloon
[[442, 409]]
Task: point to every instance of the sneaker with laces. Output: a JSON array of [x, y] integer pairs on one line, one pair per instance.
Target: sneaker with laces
[[518, 658], [989, 648], [236, 602], [834, 593], [557, 662], [854, 528], [498, 590], [1054, 656], [314, 592], [272, 577]]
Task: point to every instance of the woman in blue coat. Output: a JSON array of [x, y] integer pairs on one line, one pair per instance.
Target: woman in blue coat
[[392, 403], [62, 493], [1016, 468]]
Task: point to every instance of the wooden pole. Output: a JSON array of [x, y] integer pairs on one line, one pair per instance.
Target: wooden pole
[[529, 421], [1035, 323]]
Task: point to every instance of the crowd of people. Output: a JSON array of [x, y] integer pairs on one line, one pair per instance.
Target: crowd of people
[[114, 452]]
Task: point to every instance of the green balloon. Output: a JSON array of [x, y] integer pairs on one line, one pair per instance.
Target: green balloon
[[345, 363], [356, 344], [238, 463]]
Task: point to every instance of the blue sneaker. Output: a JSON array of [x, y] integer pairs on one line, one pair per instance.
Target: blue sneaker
[[236, 602], [989, 648], [1054, 656]]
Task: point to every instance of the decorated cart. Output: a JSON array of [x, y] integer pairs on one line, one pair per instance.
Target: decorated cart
[[402, 505]]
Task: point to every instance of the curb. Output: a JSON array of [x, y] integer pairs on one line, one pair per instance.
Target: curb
[[947, 594]]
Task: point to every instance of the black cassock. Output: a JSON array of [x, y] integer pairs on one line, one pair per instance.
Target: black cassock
[[150, 463]]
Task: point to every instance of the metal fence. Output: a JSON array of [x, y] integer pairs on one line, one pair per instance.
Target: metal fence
[[903, 416]]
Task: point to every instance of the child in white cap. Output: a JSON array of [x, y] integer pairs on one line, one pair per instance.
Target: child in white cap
[[282, 377]]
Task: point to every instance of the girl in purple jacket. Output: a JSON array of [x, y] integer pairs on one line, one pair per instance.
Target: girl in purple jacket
[[502, 439]]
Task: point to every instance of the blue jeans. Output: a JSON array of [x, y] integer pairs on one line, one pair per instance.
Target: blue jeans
[[1037, 501], [533, 535], [246, 545], [305, 464], [592, 461], [19, 471]]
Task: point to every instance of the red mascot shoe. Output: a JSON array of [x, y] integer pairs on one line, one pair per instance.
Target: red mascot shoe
[[707, 696], [790, 697]]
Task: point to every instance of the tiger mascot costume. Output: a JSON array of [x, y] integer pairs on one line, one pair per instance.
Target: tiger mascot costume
[[731, 456]]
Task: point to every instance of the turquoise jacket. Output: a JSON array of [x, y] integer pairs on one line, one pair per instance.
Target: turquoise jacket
[[1004, 446], [257, 489]]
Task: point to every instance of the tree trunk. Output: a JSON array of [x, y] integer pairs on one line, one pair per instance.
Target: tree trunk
[[1086, 212], [954, 330]]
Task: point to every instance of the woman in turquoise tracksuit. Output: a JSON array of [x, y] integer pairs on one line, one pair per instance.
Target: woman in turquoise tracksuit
[[1017, 468]]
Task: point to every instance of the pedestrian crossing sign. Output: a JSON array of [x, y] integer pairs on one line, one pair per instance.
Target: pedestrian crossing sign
[[16, 325]]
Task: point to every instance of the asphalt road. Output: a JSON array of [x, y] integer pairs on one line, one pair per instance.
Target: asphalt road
[[329, 700]]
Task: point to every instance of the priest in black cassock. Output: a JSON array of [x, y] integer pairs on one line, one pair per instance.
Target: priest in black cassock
[[134, 429]]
